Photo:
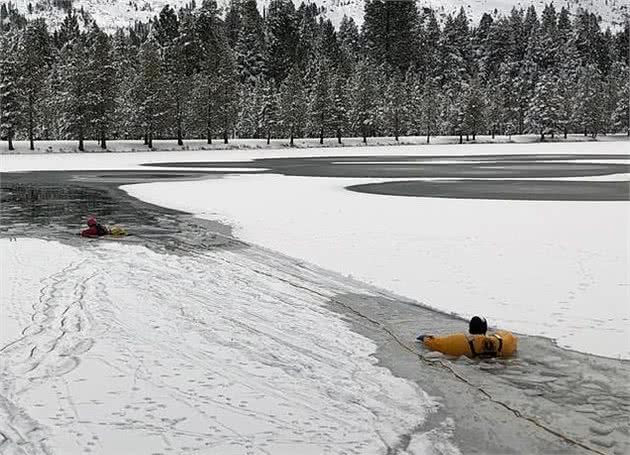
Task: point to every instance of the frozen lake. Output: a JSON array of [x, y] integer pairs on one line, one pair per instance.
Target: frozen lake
[[259, 322]]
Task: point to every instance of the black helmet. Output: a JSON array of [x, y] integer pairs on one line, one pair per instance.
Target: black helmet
[[478, 326]]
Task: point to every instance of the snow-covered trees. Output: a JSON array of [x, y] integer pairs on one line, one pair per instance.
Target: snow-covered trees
[[363, 99], [250, 50], [282, 39], [291, 105], [102, 75], [390, 33], [215, 84], [545, 106], [589, 109], [9, 96], [75, 90], [195, 73], [34, 60]]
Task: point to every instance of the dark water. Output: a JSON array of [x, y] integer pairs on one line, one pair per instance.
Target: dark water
[[471, 176], [541, 190], [55, 205]]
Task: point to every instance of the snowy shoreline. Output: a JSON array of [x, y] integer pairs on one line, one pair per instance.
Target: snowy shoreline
[[260, 145]]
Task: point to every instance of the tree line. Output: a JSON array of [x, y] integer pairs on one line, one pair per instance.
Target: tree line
[[200, 72]]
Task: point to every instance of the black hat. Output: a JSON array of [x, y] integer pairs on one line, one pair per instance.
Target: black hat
[[478, 326]]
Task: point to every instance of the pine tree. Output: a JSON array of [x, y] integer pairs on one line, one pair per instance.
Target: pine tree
[[517, 43], [125, 118], [395, 107], [149, 87], [621, 114], [474, 109], [496, 48], [268, 116], [319, 102], [225, 97], [166, 27], [177, 68], [68, 31], [9, 95], [217, 84], [566, 81], [542, 115], [291, 105], [589, 110], [430, 36], [102, 74], [75, 90], [327, 44], [349, 44], [308, 34], [247, 122], [233, 22], [338, 105], [586, 30], [548, 38], [51, 105], [415, 105], [455, 50], [281, 33], [364, 97], [250, 49], [389, 31], [494, 108], [432, 102], [35, 58]]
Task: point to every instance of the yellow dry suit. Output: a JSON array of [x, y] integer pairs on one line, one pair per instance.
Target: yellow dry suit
[[498, 344]]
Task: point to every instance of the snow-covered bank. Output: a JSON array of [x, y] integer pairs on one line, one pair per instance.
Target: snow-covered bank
[[113, 348], [556, 269], [122, 146]]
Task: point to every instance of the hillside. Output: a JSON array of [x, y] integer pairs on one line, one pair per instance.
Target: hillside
[[114, 13]]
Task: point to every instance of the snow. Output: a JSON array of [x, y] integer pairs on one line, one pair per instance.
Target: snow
[[113, 348], [110, 14], [610, 11], [260, 145]]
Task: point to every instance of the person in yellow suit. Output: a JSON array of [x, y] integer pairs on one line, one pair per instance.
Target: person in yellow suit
[[476, 343]]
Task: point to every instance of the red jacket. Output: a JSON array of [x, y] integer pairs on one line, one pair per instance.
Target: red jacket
[[90, 232], [93, 231]]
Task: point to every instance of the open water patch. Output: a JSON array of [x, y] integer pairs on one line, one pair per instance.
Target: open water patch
[[531, 190]]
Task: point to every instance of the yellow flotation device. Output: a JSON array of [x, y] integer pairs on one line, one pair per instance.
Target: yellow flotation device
[[117, 231], [498, 344]]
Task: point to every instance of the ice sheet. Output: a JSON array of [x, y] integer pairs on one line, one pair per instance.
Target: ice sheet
[[112, 348]]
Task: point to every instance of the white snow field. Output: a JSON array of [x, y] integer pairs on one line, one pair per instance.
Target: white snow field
[[113, 348]]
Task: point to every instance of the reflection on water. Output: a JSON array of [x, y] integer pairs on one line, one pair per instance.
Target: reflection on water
[[56, 206], [51, 205]]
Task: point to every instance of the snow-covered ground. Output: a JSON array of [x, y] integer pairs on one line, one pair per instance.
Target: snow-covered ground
[[166, 145], [114, 348]]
